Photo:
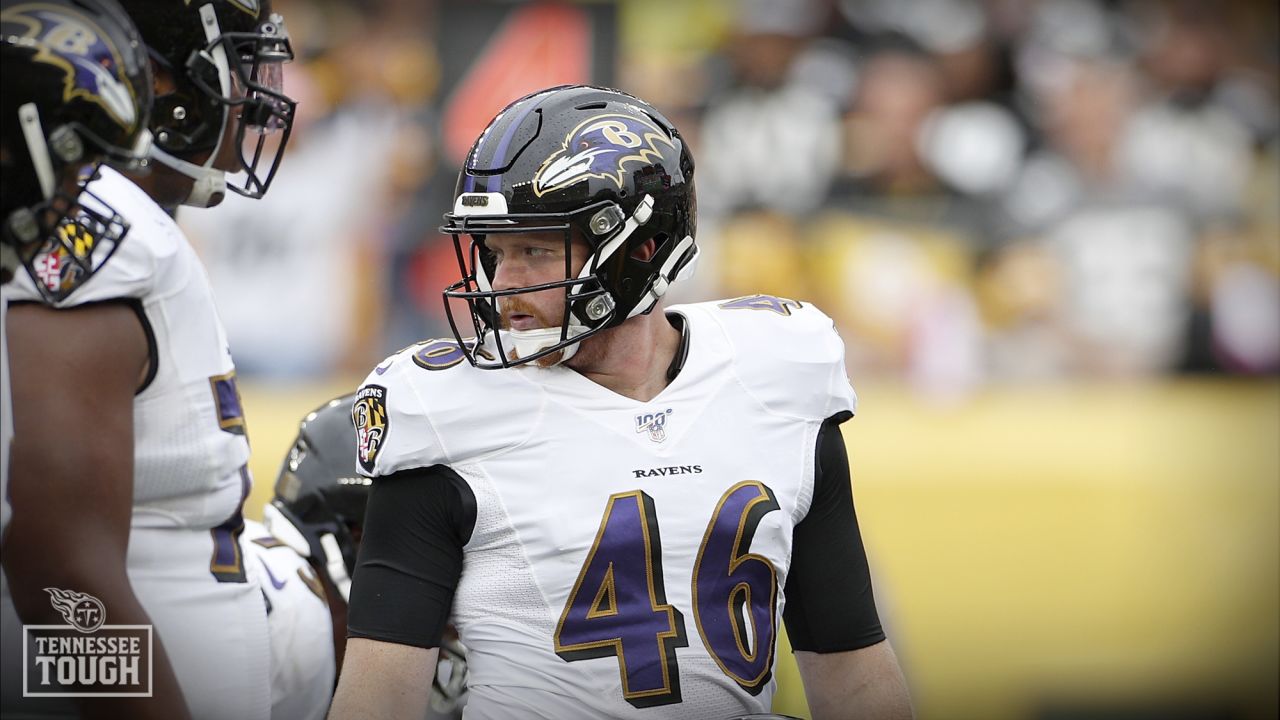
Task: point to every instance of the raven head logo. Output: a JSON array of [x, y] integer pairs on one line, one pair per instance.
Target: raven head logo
[[94, 68], [601, 147]]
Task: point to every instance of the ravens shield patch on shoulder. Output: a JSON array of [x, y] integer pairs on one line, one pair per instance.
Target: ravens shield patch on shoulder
[[369, 415]]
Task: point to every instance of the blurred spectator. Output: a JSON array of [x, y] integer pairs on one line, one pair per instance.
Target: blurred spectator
[[295, 273], [975, 189], [767, 141]]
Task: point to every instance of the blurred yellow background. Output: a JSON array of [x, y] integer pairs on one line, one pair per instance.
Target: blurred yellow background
[[1046, 551]]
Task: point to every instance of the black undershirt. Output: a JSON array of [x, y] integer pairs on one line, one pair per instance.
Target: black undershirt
[[419, 520], [830, 607], [410, 556]]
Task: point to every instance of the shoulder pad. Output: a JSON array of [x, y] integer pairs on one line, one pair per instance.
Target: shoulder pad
[[138, 263], [787, 353], [426, 405]]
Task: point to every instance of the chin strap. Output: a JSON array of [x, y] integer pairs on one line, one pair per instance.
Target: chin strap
[[21, 224], [210, 185], [9, 260], [37, 148]]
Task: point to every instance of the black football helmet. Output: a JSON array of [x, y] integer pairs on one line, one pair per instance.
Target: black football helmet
[[76, 92], [318, 510], [320, 495], [225, 56], [572, 159]]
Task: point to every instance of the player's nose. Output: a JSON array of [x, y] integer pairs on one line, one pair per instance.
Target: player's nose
[[508, 274]]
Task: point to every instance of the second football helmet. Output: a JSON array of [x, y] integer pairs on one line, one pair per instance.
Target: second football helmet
[[319, 500], [318, 510], [76, 92], [573, 159], [225, 56]]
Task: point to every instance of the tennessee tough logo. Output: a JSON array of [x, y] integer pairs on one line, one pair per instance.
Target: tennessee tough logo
[[601, 148]]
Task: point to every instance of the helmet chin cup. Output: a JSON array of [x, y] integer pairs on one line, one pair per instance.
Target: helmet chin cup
[[527, 343], [210, 185], [209, 190]]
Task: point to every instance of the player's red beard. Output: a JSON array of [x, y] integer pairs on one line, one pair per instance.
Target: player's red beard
[[512, 305]]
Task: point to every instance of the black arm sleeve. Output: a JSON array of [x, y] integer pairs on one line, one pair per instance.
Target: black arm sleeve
[[415, 527], [829, 603]]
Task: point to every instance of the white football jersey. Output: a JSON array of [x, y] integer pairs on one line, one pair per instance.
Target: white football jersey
[[628, 558], [190, 464], [189, 433], [302, 662]]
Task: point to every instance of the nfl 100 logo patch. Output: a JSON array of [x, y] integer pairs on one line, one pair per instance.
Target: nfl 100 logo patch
[[654, 423], [85, 657]]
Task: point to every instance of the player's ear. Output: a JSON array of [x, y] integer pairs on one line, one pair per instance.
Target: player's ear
[[162, 80], [645, 250]]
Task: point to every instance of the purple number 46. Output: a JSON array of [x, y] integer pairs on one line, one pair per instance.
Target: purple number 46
[[618, 605]]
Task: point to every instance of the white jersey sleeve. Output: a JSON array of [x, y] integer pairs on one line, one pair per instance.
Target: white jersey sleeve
[[189, 431], [301, 630], [139, 262], [403, 403]]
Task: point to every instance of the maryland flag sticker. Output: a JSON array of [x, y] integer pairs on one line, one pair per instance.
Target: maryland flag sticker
[[369, 415]]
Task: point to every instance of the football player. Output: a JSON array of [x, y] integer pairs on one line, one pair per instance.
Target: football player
[[617, 502], [126, 388], [59, 123], [318, 510]]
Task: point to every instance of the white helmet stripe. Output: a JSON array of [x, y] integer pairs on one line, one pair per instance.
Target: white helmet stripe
[[29, 117]]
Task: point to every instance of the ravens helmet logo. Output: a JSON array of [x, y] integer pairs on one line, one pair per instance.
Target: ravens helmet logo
[[601, 147]]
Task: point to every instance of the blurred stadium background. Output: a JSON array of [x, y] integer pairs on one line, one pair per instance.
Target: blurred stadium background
[[1048, 230]]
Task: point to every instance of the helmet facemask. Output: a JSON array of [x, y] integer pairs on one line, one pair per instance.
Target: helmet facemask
[[611, 287], [242, 73], [588, 307]]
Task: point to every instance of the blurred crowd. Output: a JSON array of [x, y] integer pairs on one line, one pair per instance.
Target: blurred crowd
[[977, 191]]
